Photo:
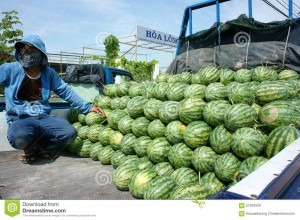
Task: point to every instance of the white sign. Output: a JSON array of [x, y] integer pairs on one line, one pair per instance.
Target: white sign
[[153, 36]]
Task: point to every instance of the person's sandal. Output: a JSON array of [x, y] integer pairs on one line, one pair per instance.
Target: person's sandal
[[28, 158]]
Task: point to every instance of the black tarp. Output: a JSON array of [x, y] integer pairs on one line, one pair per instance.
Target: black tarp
[[241, 43]]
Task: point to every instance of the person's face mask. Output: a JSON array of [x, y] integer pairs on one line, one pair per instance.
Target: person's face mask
[[30, 59]]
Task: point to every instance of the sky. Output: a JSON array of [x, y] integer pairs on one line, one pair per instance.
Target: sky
[[70, 25]]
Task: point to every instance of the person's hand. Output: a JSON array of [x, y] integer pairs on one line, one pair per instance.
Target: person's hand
[[98, 110]]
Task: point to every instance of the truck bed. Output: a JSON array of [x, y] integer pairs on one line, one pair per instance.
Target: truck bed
[[68, 177]]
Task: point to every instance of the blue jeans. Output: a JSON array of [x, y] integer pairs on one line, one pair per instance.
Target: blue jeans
[[40, 132]]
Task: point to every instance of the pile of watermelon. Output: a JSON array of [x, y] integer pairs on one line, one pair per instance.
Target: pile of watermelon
[[188, 136]]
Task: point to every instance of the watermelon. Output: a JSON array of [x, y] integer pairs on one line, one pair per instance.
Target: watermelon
[[149, 90], [75, 145], [151, 109], [226, 76], [140, 126], [141, 145], [77, 125], [203, 159], [115, 140], [159, 188], [241, 94], [169, 111], [247, 142], [288, 75], [269, 91], [279, 113], [93, 132], [140, 181], [122, 89], [104, 136], [135, 89], [161, 91], [114, 118], [257, 108], [186, 77], [162, 77], [176, 92], [156, 129], [95, 150], [127, 144], [220, 140], [191, 109], [209, 75], [83, 132], [216, 91], [116, 158], [212, 183], [196, 78], [213, 112], [226, 166], [122, 176], [185, 175], [262, 73], [239, 116], [85, 149], [72, 115], [105, 155], [174, 132], [115, 103], [163, 169], [144, 163], [107, 111], [190, 191], [180, 155], [129, 159], [195, 90], [123, 102], [232, 86], [279, 138], [81, 119], [249, 165], [197, 134], [174, 79], [135, 106], [110, 90], [252, 85], [94, 118], [243, 75], [158, 150], [102, 101], [125, 123], [292, 86]]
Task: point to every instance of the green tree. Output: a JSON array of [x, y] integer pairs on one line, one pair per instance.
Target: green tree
[[8, 34], [112, 49]]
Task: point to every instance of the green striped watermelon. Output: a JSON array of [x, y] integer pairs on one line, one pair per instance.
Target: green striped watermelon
[[288, 75], [186, 77], [161, 91], [159, 188], [115, 140], [196, 78], [110, 90], [209, 75], [292, 86], [176, 92], [169, 111], [191, 109], [151, 109], [102, 101], [174, 132], [197, 134], [252, 85], [93, 132], [85, 149], [213, 184], [180, 155], [247, 142], [139, 181], [116, 158], [203, 159], [232, 86], [123, 102], [162, 77], [122, 89], [75, 145], [279, 138], [239, 116], [144, 163], [149, 90], [83, 132], [105, 155], [72, 115], [220, 140], [127, 144], [185, 175], [141, 145], [81, 119], [174, 79], [195, 90], [129, 159], [163, 169], [249, 165], [125, 124], [77, 125], [243, 75], [190, 191], [122, 176], [95, 149], [114, 118], [241, 94], [104, 136], [156, 129], [140, 126], [226, 166], [135, 106], [216, 91], [226, 76], [263, 73], [158, 150], [135, 89], [115, 103], [213, 112], [94, 118]]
